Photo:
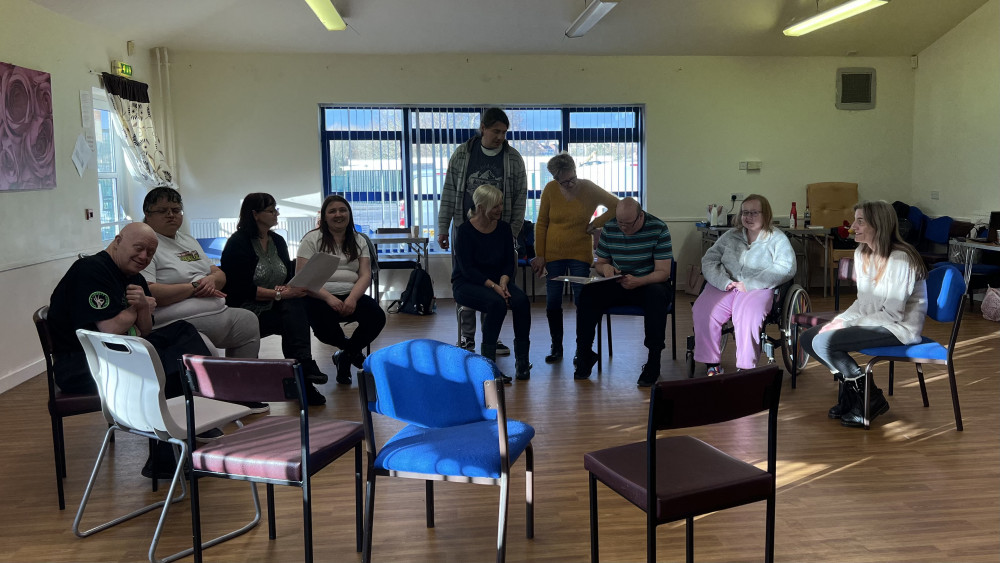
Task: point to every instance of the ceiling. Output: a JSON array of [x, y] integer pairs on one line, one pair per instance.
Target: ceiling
[[634, 27]]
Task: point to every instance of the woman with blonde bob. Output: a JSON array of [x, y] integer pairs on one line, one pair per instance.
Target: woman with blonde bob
[[484, 272], [889, 311], [742, 268]]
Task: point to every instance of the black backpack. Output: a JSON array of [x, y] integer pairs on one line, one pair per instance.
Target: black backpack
[[418, 296]]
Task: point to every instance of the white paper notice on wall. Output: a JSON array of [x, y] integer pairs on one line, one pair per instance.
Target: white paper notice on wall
[[81, 154], [87, 118]]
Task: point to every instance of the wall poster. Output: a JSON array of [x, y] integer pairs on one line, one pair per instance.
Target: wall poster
[[27, 140]]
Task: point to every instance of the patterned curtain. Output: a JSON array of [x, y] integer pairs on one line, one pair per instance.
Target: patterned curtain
[[146, 160]]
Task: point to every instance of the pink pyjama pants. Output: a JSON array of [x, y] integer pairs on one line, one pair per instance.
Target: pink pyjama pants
[[714, 307]]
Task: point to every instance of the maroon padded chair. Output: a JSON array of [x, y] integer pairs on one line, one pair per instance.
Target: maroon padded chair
[[807, 320], [61, 404], [680, 477], [275, 450]]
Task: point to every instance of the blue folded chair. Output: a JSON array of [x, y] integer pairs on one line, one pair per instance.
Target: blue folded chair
[[457, 429], [945, 303]]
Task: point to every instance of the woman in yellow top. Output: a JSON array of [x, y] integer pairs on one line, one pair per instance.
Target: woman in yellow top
[[563, 237]]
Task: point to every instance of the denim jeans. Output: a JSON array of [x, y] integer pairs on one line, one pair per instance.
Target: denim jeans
[[554, 288], [831, 347]]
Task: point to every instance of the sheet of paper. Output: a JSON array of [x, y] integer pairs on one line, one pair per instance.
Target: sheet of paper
[[87, 118], [81, 154], [316, 272], [585, 280]]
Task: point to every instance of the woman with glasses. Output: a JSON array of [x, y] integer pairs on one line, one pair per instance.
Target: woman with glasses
[[343, 297], [257, 267], [564, 243], [741, 270]]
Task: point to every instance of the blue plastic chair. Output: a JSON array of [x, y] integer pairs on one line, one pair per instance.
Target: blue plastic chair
[[945, 303], [457, 429]]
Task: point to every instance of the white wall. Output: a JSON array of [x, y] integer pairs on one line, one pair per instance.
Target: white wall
[[956, 131], [42, 231], [256, 129]]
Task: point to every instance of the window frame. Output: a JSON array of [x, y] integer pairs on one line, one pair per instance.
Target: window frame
[[119, 175], [407, 137]]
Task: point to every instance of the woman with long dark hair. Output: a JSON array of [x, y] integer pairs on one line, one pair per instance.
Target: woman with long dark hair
[[343, 297], [889, 311], [257, 267]]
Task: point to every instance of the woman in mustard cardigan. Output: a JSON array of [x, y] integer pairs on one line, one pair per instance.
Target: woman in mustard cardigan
[[563, 237]]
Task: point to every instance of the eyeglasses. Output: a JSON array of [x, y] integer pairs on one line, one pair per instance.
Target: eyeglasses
[[166, 211], [567, 182], [629, 224], [750, 214], [270, 210]]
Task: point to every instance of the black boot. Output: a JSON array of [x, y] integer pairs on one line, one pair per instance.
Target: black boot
[[310, 370], [844, 400], [488, 350], [522, 367], [555, 317], [855, 417], [342, 359]]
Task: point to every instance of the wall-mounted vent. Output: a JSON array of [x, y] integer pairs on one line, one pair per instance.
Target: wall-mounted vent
[[855, 88]]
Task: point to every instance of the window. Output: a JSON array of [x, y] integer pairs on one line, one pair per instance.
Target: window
[[111, 181], [391, 162]]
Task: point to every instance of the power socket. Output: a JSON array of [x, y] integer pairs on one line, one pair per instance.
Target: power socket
[[735, 196]]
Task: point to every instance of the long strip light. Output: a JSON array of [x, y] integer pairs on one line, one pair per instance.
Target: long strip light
[[590, 16], [833, 15], [327, 14]]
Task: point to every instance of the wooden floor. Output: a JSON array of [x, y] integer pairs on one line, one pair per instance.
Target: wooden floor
[[910, 489]]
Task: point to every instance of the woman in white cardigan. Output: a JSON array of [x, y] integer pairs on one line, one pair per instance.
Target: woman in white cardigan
[[742, 268], [889, 311]]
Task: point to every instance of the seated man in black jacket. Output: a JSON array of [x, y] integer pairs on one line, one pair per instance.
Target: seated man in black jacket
[[106, 293]]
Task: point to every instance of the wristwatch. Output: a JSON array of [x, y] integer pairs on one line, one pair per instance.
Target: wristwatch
[[277, 296], [194, 284]]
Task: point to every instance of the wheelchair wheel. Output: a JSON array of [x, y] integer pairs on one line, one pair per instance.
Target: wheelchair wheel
[[796, 301]]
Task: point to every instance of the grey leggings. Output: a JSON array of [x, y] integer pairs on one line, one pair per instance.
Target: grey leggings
[[831, 348]]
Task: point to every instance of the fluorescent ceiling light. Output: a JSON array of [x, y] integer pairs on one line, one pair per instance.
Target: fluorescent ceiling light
[[327, 13], [590, 16], [833, 15]]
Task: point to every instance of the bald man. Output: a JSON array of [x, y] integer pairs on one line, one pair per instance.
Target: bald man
[[636, 246], [106, 292]]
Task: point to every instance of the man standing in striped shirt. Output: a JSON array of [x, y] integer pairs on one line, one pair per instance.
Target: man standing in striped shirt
[[636, 246]]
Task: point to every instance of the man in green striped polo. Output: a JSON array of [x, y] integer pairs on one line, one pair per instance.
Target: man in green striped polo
[[636, 246]]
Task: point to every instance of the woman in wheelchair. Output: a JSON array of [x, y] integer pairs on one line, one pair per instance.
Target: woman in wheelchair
[[889, 310], [741, 270]]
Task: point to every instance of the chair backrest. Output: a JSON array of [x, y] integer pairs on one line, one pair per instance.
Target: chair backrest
[[831, 203], [917, 224], [684, 403], [372, 251], [131, 381], [429, 383], [945, 290], [243, 379], [845, 270], [526, 241], [41, 320], [938, 229]]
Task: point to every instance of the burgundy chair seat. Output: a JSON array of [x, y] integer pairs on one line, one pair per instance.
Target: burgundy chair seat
[[69, 404], [242, 452], [683, 489], [813, 319]]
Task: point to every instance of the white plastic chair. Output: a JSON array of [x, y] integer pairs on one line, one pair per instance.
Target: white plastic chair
[[130, 381]]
